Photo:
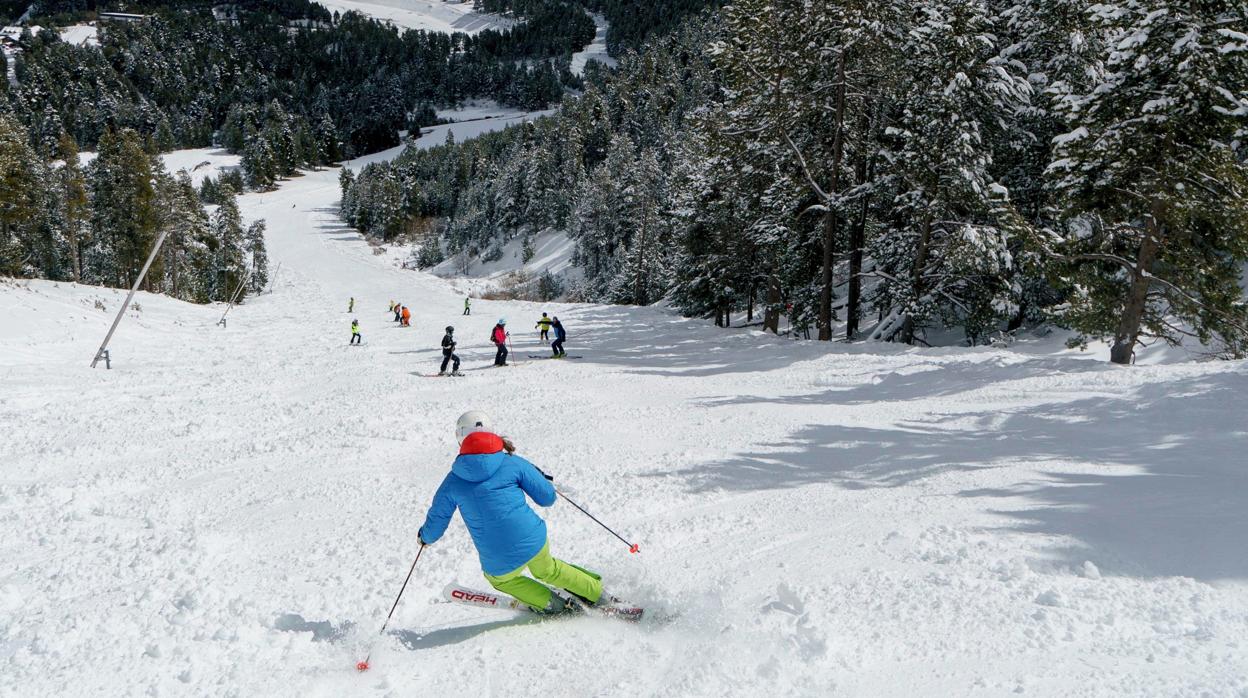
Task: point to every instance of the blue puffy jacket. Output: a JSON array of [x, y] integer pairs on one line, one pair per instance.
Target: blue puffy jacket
[[488, 485]]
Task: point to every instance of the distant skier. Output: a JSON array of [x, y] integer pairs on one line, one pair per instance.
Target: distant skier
[[448, 352], [560, 336], [544, 326], [398, 312], [351, 305], [355, 332], [488, 484], [499, 336], [467, 306], [407, 317], [391, 307]]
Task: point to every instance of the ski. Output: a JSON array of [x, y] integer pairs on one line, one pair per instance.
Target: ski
[[440, 375], [509, 364], [481, 599], [569, 356], [471, 597]]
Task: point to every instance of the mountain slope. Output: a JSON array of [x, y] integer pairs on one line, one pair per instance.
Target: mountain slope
[[231, 510]]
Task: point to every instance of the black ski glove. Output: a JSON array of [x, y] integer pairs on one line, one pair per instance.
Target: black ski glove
[[543, 472]]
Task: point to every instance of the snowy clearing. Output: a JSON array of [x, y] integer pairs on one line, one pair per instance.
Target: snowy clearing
[[81, 35], [230, 511], [596, 50], [428, 15], [199, 163]]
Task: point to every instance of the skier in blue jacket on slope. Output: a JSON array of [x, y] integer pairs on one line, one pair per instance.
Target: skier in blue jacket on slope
[[488, 484]]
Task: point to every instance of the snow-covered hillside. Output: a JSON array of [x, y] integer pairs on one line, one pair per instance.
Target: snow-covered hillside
[[596, 50], [428, 15], [230, 511]]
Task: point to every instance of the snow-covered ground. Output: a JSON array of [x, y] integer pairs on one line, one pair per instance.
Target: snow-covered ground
[[596, 50], [81, 35], [230, 511], [199, 163], [552, 251], [429, 15]]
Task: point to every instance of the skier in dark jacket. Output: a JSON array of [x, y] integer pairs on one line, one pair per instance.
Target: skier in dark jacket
[[560, 335], [448, 352]]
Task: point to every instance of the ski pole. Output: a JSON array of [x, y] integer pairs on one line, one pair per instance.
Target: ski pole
[[363, 666], [632, 547]]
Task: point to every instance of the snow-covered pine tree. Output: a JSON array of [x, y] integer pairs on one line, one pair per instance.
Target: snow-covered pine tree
[[72, 192], [183, 215], [20, 196], [1152, 176], [254, 241], [229, 257], [259, 163], [943, 254], [125, 219]]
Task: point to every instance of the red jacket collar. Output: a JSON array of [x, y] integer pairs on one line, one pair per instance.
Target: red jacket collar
[[479, 442]]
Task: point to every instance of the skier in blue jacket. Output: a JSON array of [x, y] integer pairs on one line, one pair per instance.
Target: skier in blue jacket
[[488, 484]]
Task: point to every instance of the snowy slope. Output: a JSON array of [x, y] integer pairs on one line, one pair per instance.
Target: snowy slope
[[81, 35], [428, 15], [596, 50], [231, 511]]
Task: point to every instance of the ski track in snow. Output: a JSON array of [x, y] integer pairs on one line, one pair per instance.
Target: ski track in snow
[[230, 511]]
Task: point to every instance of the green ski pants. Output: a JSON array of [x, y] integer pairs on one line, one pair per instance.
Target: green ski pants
[[554, 572]]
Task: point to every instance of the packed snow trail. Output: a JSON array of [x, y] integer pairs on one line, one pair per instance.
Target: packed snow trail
[[230, 511]]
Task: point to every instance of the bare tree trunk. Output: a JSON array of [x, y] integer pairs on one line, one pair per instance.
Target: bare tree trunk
[[75, 255], [916, 275], [1137, 298], [858, 234], [830, 219], [771, 316], [749, 307], [639, 286]]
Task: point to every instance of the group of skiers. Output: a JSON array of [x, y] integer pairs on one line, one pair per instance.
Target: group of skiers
[[491, 486], [402, 315], [499, 336]]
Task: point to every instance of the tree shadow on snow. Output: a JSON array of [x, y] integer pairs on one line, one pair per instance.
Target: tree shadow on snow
[[654, 342], [1171, 499]]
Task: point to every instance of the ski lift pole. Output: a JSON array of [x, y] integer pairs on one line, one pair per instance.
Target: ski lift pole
[[103, 350], [273, 281], [234, 298]]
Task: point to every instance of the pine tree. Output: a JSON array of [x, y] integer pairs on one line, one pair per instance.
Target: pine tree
[[258, 162], [20, 198], [124, 218], [73, 195], [945, 254], [228, 264], [1152, 176], [259, 256]]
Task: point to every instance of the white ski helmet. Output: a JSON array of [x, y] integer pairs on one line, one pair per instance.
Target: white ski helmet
[[472, 421]]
